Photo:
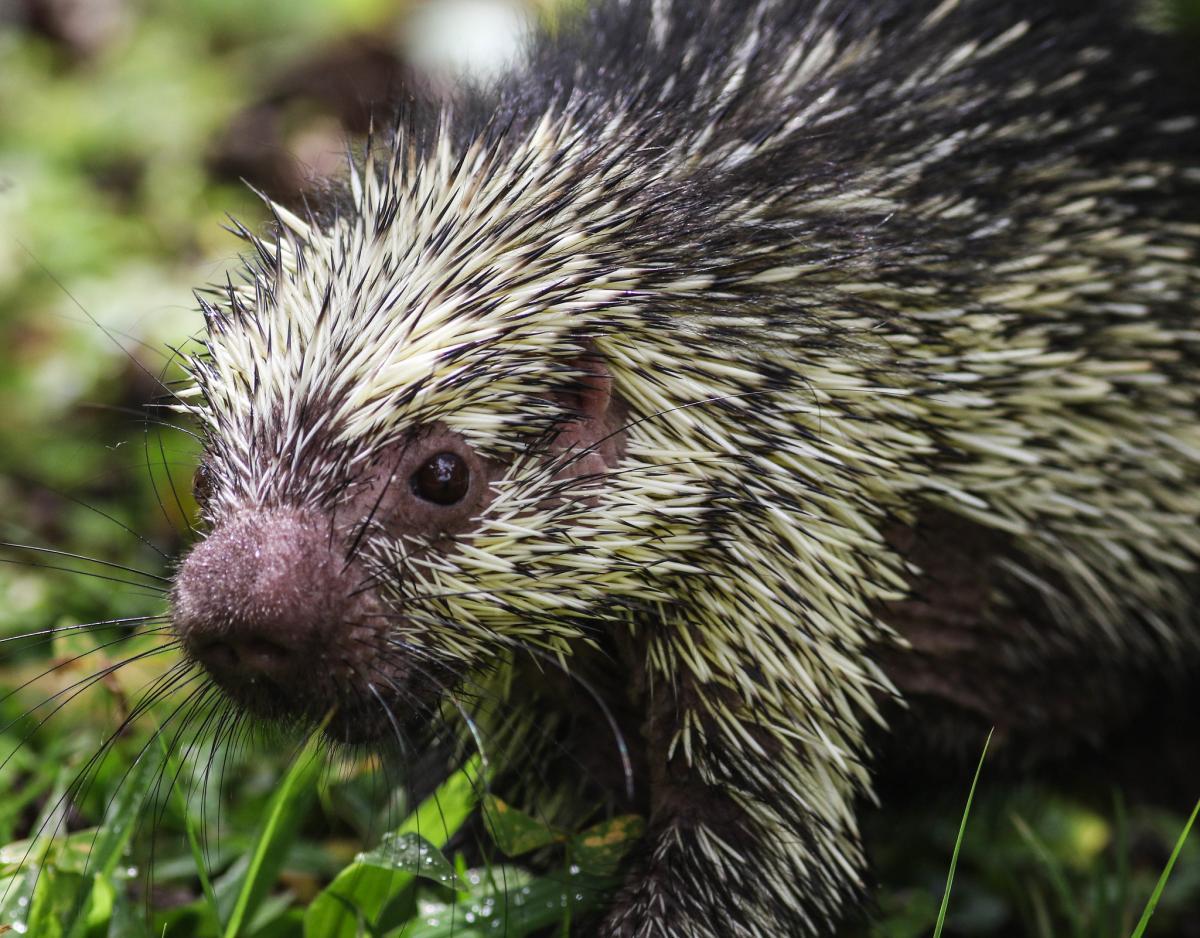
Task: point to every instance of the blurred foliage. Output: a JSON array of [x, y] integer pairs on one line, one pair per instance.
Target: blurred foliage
[[119, 161], [1034, 863], [1188, 12]]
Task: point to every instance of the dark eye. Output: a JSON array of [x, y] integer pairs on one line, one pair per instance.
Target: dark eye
[[444, 479], [202, 484]]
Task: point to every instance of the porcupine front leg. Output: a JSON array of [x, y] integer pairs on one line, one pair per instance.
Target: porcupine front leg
[[729, 852]]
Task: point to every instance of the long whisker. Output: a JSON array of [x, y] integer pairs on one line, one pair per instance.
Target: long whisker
[[618, 735], [64, 553], [162, 452], [473, 729], [101, 623], [478, 706], [74, 690], [144, 419], [223, 741], [60, 665], [151, 694], [390, 716], [622, 744], [156, 589], [95, 322], [203, 702], [149, 467], [83, 779], [192, 702], [107, 517]]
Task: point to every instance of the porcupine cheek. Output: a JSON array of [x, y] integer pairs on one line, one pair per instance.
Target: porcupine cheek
[[268, 606]]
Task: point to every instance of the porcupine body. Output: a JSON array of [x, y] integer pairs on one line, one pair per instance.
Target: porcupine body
[[724, 342]]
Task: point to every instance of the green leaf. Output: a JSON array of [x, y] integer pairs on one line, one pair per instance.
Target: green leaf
[[1152, 904], [101, 900], [599, 850], [53, 900], [273, 913], [24, 901], [515, 832], [439, 816], [275, 838], [128, 919], [512, 905], [362, 891], [16, 897], [411, 853], [962, 829]]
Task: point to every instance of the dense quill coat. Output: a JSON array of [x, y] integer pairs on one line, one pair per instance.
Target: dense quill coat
[[723, 295]]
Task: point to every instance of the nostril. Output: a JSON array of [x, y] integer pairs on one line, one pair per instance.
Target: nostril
[[263, 653], [243, 655], [220, 656]]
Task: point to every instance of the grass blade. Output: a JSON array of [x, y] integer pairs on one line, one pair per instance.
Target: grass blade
[[275, 838], [1152, 904], [1054, 871], [1124, 907], [962, 829]]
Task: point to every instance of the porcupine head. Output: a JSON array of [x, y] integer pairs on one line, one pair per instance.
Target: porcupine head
[[493, 411]]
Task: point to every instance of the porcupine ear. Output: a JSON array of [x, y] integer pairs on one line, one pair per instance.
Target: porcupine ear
[[591, 395], [594, 431]]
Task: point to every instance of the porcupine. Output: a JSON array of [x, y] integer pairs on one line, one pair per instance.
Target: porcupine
[[717, 348]]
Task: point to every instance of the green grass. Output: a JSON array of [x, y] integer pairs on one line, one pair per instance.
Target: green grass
[[962, 830], [1064, 900], [79, 885], [1161, 885]]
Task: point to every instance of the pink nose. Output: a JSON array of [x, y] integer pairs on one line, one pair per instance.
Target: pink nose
[[262, 600]]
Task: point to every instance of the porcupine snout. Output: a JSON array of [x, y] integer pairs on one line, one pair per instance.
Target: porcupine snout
[[263, 604]]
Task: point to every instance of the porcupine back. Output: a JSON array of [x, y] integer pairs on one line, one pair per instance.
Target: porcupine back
[[849, 267], [992, 206]]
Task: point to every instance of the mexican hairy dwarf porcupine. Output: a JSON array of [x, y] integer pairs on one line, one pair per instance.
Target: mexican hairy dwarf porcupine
[[731, 355]]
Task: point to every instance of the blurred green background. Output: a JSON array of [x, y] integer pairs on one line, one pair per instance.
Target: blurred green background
[[129, 130]]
